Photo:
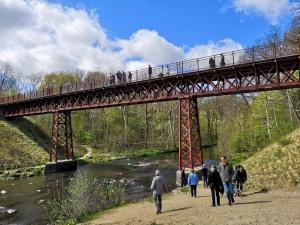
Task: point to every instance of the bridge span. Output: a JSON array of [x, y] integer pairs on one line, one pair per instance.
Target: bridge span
[[262, 68]]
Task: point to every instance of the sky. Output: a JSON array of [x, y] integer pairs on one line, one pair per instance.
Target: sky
[[40, 36]]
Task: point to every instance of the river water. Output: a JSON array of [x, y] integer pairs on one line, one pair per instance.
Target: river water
[[28, 196]]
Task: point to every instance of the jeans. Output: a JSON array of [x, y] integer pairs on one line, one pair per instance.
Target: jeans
[[193, 190], [157, 202], [228, 189], [214, 194], [204, 179]]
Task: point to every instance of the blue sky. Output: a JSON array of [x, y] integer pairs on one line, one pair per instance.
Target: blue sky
[[110, 35], [188, 22]]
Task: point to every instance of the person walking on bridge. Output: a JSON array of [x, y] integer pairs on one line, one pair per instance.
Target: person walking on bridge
[[158, 186], [193, 182], [149, 71], [226, 173]]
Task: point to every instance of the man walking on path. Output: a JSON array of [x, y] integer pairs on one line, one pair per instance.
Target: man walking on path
[[215, 183], [183, 178], [159, 186], [204, 176], [226, 173], [193, 182]]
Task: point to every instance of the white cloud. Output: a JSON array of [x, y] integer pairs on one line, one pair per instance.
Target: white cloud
[[38, 36], [212, 48], [271, 9]]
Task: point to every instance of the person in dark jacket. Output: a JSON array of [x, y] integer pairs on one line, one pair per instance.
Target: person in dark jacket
[[215, 183], [240, 176], [149, 71], [212, 63], [222, 63], [129, 76], [226, 172], [204, 175], [119, 77], [183, 178]]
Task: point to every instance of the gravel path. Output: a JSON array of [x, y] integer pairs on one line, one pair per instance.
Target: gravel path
[[274, 207]]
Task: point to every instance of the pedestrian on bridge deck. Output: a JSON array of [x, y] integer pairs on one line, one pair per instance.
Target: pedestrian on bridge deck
[[193, 182], [222, 63], [159, 186], [212, 63], [149, 71], [129, 76]]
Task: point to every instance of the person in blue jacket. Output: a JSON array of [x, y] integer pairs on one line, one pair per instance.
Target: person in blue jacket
[[193, 182]]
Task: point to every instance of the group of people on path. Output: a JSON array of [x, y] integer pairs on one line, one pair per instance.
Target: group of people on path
[[219, 179]]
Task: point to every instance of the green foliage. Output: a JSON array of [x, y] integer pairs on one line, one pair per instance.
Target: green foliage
[[285, 141], [82, 196], [19, 146], [185, 189]]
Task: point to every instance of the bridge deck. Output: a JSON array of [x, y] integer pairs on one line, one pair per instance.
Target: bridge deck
[[245, 71]]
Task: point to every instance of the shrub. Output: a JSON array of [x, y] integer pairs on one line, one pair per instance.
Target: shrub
[[83, 195]]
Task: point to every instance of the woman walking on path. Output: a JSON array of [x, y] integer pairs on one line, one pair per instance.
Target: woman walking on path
[[193, 182]]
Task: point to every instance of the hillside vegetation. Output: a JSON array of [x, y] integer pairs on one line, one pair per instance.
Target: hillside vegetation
[[276, 166], [22, 144]]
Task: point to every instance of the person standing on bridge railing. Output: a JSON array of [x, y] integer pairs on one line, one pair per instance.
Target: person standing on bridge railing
[[222, 63], [212, 63], [149, 71], [158, 186]]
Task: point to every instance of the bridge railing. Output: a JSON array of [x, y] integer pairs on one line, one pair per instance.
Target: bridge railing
[[242, 56]]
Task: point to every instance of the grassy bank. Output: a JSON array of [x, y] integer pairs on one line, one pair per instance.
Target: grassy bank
[[22, 144], [277, 166]]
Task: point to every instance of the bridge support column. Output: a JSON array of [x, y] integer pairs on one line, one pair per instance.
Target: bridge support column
[[190, 149], [61, 139]]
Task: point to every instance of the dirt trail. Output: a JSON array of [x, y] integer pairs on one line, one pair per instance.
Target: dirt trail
[[89, 152], [274, 207]]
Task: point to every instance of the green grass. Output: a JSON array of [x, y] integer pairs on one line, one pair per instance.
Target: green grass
[[277, 166], [239, 158], [18, 145]]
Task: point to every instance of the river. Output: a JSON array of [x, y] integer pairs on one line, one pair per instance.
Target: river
[[28, 196]]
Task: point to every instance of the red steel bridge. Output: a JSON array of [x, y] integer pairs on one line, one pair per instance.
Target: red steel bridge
[[262, 68]]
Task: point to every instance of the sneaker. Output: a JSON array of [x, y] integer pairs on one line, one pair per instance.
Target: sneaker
[[213, 205], [232, 200], [219, 204], [229, 203]]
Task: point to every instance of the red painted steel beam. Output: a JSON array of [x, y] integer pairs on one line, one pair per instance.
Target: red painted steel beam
[[250, 77]]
